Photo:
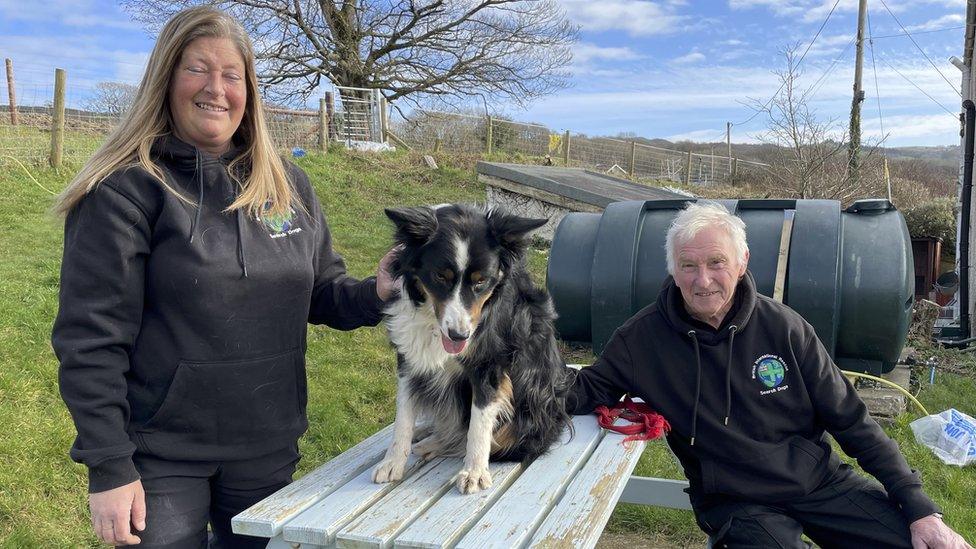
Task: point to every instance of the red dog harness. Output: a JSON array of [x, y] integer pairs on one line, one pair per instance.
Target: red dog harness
[[645, 424]]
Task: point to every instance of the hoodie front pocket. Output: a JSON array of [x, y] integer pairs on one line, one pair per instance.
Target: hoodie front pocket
[[233, 402], [790, 469]]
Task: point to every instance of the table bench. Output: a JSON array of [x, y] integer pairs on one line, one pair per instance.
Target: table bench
[[562, 499]]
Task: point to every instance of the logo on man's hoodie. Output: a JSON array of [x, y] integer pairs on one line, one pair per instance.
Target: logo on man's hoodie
[[770, 370], [279, 225]]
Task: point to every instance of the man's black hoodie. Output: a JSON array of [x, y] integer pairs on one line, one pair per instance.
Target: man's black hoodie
[[749, 403], [181, 329]]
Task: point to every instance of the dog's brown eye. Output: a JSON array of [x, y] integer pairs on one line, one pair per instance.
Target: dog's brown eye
[[481, 285]]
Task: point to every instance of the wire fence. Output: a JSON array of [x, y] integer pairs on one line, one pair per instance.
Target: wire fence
[[33, 132], [428, 130]]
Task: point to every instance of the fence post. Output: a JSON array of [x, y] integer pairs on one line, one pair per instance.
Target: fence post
[[330, 115], [566, 148], [323, 127], [384, 121], [437, 145], [11, 94], [488, 135], [688, 169], [735, 171], [57, 120], [633, 160]]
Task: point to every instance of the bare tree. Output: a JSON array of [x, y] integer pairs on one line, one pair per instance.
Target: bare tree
[[809, 158], [112, 98], [451, 50]]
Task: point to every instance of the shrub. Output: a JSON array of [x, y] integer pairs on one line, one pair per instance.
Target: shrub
[[935, 218]]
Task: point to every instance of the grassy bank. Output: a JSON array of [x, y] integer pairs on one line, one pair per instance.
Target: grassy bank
[[351, 375]]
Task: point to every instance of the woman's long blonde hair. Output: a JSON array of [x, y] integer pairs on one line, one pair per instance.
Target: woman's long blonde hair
[[265, 180]]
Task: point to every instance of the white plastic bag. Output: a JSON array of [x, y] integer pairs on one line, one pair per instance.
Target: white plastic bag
[[951, 435]]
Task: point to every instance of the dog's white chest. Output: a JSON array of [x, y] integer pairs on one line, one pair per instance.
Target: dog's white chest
[[415, 333]]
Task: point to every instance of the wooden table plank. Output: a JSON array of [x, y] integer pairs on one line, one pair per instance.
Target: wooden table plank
[[443, 523], [267, 517], [320, 523], [514, 516], [379, 524], [578, 519]]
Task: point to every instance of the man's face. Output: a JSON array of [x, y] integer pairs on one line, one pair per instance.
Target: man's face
[[707, 271]]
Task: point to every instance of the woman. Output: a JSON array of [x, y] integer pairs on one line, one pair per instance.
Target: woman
[[194, 257]]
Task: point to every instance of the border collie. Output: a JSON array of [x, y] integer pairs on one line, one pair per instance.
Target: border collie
[[476, 347]]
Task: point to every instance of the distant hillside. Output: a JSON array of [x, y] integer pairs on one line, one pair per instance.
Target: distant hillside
[[944, 156]]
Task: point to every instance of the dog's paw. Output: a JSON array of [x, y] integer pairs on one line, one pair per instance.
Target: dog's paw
[[388, 470], [473, 479], [427, 449]]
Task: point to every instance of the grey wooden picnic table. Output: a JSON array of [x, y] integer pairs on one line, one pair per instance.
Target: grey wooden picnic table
[[562, 499]]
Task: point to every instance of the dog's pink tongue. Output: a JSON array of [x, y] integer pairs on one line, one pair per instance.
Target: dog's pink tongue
[[451, 346]]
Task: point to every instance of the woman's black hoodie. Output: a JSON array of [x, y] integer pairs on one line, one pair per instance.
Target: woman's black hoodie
[[749, 403], [181, 329]]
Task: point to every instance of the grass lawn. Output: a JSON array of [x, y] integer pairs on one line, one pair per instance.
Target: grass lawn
[[351, 375]]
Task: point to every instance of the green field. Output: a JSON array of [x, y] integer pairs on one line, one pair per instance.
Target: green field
[[351, 375]]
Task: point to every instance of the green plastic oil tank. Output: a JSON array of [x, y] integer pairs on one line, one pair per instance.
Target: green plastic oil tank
[[849, 273]]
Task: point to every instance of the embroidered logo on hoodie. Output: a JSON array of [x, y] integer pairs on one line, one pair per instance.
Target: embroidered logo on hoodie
[[770, 370], [279, 225]]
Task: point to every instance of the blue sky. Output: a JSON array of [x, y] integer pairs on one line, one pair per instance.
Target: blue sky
[[672, 69]]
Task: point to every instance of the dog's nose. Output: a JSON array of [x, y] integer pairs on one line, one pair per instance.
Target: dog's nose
[[457, 336]]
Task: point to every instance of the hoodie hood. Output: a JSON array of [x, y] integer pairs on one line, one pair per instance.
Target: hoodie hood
[[199, 165]]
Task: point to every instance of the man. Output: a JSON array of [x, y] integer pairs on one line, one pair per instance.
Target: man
[[750, 392]]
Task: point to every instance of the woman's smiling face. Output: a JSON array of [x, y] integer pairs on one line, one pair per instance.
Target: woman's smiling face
[[208, 94]]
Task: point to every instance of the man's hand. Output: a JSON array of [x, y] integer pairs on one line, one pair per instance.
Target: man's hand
[[115, 511], [931, 532], [385, 286]]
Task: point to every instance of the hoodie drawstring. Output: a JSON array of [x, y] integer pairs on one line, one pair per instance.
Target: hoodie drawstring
[[195, 224], [728, 375], [240, 245], [198, 172], [698, 377]]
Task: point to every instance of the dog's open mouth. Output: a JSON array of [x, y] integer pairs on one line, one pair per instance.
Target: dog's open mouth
[[451, 346]]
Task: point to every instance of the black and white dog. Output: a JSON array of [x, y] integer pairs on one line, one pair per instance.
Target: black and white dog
[[476, 347]]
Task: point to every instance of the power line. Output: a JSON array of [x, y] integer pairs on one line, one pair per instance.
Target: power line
[[909, 80], [919, 32], [810, 45], [814, 87], [951, 85], [874, 67]]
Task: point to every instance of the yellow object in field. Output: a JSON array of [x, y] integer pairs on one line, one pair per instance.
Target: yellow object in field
[[555, 142]]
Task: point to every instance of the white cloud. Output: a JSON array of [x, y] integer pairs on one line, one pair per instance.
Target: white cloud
[[911, 127], [585, 52], [689, 58], [703, 136], [950, 20], [636, 17], [72, 13]]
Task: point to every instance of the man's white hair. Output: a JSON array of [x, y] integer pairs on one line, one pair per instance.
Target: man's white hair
[[697, 217]]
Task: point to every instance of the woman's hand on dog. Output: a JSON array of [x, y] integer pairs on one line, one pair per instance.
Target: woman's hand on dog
[[117, 513], [385, 283]]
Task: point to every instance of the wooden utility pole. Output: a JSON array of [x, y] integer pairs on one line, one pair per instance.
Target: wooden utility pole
[[11, 94], [728, 143], [57, 118], [854, 148]]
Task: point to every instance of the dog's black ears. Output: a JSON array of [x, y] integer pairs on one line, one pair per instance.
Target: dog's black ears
[[510, 230], [414, 226]]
